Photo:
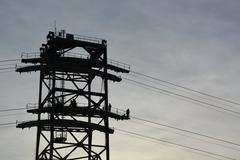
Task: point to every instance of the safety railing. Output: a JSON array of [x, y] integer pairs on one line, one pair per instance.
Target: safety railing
[[76, 55], [30, 106], [118, 111], [60, 136], [63, 34], [25, 55], [87, 38], [118, 64], [111, 109]]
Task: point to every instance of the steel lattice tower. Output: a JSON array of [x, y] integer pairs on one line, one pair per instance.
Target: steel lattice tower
[[72, 114]]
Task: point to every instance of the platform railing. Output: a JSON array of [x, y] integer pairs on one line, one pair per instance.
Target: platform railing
[[76, 55], [113, 110], [63, 34], [60, 134], [118, 111], [30, 106], [118, 64], [25, 55], [87, 38]]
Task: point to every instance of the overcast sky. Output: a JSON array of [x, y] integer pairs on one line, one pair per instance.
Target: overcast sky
[[194, 43]]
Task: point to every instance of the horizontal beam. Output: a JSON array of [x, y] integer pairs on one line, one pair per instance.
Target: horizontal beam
[[81, 111], [71, 124], [81, 62], [79, 92], [71, 69]]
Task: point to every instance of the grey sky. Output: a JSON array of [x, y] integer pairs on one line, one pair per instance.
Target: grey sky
[[194, 43]]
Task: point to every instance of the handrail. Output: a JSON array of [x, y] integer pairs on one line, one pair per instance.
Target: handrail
[[113, 110], [118, 64], [30, 106], [87, 38], [76, 55], [25, 55], [60, 134], [118, 111], [30, 55], [63, 34]]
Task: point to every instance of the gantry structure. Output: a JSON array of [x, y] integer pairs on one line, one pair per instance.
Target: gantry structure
[[73, 109]]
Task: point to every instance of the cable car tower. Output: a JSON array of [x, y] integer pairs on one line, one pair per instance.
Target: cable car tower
[[72, 111]]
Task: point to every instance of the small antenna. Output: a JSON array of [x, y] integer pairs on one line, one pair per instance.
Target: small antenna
[[55, 27]]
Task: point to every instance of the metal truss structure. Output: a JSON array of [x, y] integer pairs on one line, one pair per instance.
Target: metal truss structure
[[73, 110]]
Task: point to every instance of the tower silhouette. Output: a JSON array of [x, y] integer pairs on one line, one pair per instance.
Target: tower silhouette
[[73, 110]]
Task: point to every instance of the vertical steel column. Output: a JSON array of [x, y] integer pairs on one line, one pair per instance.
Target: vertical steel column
[[106, 119], [89, 119], [52, 114], [39, 114]]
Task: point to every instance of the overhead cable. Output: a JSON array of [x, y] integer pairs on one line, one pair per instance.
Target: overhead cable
[[156, 123], [186, 134], [9, 60], [7, 68], [11, 109], [202, 97], [187, 131], [6, 124], [186, 88], [177, 144], [183, 96]]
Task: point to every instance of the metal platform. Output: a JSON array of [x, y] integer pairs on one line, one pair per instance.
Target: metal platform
[[60, 124], [79, 111], [77, 59], [70, 69]]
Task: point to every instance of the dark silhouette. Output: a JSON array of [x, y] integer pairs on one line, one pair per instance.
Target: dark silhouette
[[128, 112], [109, 107], [73, 103], [75, 74]]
